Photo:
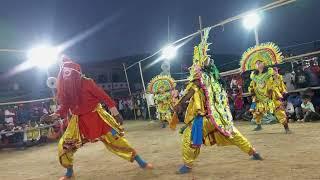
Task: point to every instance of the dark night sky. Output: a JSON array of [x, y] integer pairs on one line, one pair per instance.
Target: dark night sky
[[142, 24]]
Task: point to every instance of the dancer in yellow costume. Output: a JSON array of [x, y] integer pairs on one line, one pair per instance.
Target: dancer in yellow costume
[[81, 97], [162, 86], [267, 86], [208, 118]]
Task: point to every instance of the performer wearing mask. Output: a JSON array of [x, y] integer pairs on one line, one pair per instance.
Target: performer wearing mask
[[267, 86], [208, 118], [81, 97]]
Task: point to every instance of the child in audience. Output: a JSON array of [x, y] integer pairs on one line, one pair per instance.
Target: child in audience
[[308, 110]]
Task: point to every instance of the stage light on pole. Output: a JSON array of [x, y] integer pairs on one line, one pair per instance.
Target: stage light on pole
[[169, 52], [43, 56], [251, 20]]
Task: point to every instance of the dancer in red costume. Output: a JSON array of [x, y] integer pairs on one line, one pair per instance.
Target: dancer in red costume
[[80, 97]]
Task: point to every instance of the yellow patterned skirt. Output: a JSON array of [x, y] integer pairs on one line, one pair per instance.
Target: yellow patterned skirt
[[114, 142]]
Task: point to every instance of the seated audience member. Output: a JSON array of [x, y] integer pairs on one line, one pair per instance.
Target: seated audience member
[[7, 134], [295, 100], [289, 110], [315, 98], [33, 133], [308, 110]]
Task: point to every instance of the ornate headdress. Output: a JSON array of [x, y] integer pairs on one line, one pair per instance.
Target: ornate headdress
[[164, 82], [268, 53], [200, 55], [200, 52]]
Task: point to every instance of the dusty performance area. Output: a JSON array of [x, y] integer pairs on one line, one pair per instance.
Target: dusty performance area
[[295, 156]]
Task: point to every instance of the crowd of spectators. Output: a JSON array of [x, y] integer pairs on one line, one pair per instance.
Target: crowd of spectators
[[20, 125], [133, 108]]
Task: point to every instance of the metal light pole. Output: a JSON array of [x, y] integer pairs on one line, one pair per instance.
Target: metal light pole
[[125, 72], [256, 35], [144, 89]]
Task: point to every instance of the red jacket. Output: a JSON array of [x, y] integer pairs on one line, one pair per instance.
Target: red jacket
[[91, 126]]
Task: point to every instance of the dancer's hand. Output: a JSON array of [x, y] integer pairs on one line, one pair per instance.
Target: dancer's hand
[[114, 111], [119, 119], [177, 108], [49, 118], [54, 115]]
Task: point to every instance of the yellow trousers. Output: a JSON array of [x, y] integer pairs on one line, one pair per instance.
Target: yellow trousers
[[116, 144], [279, 113], [212, 137]]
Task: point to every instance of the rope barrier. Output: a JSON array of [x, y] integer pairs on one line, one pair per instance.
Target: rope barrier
[[285, 60], [293, 91], [24, 102], [234, 18], [30, 129]]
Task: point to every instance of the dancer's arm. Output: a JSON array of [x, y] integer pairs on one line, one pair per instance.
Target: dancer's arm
[[186, 97], [102, 96], [62, 112]]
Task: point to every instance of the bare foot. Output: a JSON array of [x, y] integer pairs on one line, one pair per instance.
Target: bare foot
[[148, 166], [66, 178]]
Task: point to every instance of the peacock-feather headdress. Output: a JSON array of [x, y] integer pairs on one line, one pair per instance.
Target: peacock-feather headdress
[[268, 53], [200, 55], [164, 82]]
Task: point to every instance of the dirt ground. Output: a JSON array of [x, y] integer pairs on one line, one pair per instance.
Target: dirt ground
[[295, 156]]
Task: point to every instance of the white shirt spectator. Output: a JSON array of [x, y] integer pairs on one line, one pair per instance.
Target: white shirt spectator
[[290, 108], [181, 93], [150, 99], [53, 108], [8, 116], [130, 104], [309, 106], [121, 105], [289, 78], [45, 111]]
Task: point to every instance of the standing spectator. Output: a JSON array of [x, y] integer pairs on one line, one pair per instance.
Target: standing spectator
[[301, 79], [143, 107], [44, 109], [121, 107], [23, 115], [131, 108], [35, 114], [2, 116], [289, 80], [52, 107], [313, 73], [238, 105], [137, 106], [308, 110], [9, 116]]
